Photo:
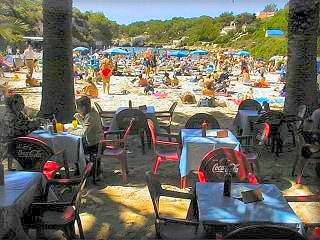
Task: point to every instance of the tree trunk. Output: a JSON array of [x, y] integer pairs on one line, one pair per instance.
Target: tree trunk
[[58, 84], [302, 55]]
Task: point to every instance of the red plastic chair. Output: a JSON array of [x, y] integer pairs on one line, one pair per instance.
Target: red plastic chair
[[116, 149], [213, 165], [33, 154], [161, 155]]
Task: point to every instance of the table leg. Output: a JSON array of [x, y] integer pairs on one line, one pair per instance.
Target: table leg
[[142, 142]]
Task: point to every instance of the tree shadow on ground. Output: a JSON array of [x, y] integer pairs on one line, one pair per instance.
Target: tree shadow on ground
[[119, 211]]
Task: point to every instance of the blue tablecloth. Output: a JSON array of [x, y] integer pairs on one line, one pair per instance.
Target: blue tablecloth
[[244, 119], [217, 209], [71, 144], [195, 147]]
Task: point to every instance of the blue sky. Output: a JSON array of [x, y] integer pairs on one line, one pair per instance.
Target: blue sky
[[128, 11]]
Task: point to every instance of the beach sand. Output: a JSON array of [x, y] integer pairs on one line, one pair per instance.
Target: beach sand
[[112, 210]]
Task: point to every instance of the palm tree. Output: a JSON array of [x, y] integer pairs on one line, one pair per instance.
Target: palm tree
[[10, 28], [58, 85], [302, 52]]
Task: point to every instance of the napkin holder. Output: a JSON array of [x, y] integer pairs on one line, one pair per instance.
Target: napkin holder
[[252, 196], [143, 108], [222, 134]]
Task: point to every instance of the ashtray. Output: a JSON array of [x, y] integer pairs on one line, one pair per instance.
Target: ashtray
[[222, 134]]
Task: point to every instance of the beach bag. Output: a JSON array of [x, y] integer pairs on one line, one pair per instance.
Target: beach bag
[[206, 102], [188, 98]]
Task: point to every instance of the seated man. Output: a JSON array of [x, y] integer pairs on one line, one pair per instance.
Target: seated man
[[92, 129], [14, 122]]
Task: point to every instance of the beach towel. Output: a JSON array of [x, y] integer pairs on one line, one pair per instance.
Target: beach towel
[[160, 95]]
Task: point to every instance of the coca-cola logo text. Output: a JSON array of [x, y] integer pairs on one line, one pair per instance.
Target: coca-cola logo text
[[220, 168]]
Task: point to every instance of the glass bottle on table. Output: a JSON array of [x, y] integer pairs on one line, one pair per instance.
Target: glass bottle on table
[[204, 127], [227, 180], [54, 124]]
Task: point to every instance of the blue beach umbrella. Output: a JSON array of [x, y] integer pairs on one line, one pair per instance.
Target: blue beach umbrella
[[243, 53], [81, 49], [178, 54], [199, 52], [115, 51]]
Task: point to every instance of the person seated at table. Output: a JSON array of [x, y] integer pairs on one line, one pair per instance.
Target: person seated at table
[[90, 89], [92, 129], [15, 122]]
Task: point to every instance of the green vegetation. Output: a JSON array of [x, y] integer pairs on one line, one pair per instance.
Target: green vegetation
[[24, 18]]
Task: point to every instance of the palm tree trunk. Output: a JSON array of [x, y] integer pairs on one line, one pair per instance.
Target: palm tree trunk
[[302, 55], [58, 85]]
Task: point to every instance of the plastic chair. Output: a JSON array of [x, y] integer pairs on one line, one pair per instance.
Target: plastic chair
[[163, 223], [250, 104], [198, 119], [106, 116], [139, 124], [162, 155], [265, 232], [116, 149], [273, 120], [33, 154], [167, 115], [212, 167], [59, 215]]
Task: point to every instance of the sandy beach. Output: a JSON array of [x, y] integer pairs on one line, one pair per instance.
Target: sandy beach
[[112, 210]]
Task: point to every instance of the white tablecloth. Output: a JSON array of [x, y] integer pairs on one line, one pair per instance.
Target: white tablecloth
[[19, 191], [195, 147], [73, 146]]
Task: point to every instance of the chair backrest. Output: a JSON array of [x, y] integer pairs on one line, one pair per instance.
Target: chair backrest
[[139, 124], [212, 167], [155, 189], [31, 153], [265, 232], [198, 119], [126, 133], [78, 194], [250, 104], [173, 107], [98, 107], [153, 133]]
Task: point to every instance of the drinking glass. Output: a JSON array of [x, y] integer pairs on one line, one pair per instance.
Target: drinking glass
[[75, 124]]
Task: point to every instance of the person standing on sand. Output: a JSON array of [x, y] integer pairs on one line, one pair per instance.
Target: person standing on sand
[[106, 73], [29, 58]]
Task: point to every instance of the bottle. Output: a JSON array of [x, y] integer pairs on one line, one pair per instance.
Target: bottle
[[227, 182], [54, 124], [204, 127], [1, 174]]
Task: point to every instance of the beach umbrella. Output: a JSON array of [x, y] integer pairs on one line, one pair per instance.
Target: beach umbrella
[[199, 52], [178, 54], [243, 53], [115, 51], [276, 58], [230, 53], [81, 49]]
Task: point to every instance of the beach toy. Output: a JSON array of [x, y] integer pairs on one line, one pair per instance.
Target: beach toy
[[15, 77]]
